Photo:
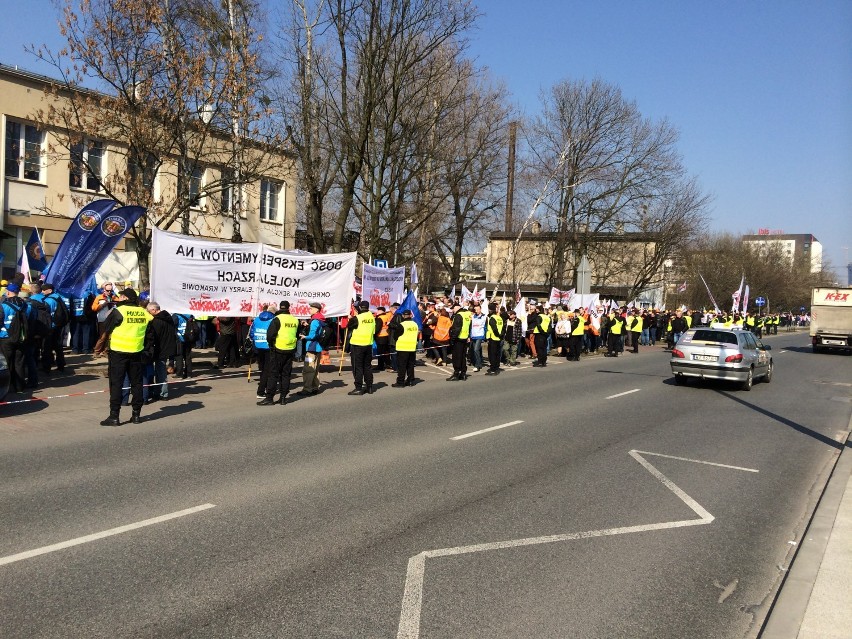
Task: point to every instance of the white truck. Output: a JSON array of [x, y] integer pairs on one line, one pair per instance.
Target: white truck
[[831, 319]]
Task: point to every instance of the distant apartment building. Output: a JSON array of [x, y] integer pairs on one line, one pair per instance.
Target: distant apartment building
[[43, 188], [792, 246]]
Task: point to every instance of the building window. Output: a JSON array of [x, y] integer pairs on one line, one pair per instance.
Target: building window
[[269, 192], [23, 151], [227, 186], [147, 173], [86, 165], [194, 176]]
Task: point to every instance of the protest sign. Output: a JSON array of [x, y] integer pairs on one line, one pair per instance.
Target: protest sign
[[201, 277], [382, 286]]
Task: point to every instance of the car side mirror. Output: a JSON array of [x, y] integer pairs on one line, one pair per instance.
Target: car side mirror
[[766, 347]]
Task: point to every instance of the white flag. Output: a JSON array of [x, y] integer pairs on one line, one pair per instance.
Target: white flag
[[453, 293], [413, 273], [25, 267], [465, 293]]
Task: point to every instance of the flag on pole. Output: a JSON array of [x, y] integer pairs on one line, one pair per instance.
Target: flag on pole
[[521, 312], [503, 300], [35, 252], [745, 299], [715, 305], [410, 304], [414, 279], [465, 293], [736, 295], [682, 287], [453, 292], [24, 264]]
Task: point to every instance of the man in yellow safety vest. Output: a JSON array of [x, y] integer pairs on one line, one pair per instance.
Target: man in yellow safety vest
[[282, 336], [126, 328]]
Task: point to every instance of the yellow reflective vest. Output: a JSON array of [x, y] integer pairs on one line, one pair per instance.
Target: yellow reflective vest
[[286, 338], [364, 333], [489, 334], [129, 336], [543, 325], [615, 327], [465, 329], [407, 342]]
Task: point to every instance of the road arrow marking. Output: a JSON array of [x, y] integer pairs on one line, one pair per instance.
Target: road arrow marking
[[412, 598]]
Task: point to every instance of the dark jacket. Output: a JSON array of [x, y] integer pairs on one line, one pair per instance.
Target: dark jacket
[[162, 329]]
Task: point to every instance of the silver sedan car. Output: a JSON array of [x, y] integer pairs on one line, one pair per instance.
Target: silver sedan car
[[724, 353]]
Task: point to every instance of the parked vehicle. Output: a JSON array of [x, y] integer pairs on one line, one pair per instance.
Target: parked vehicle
[[831, 319], [725, 353]]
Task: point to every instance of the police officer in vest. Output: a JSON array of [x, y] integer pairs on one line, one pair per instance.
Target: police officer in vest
[[575, 340], [281, 336], [616, 326], [405, 333], [363, 333], [494, 338], [540, 331], [459, 338], [126, 328]]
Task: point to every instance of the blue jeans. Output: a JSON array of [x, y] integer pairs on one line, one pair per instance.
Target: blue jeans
[[476, 352], [646, 337]]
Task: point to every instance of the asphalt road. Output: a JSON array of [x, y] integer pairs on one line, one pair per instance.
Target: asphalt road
[[594, 514]]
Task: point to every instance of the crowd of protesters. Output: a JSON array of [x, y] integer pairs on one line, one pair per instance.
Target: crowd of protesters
[[146, 345]]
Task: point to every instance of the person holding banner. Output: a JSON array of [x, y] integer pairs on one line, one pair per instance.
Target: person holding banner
[[126, 330], [282, 336], [362, 335]]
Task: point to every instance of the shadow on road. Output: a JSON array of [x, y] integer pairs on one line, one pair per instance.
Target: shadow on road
[[787, 422], [171, 410], [633, 374]]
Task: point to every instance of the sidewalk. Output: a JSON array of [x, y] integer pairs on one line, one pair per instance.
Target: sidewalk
[[815, 600]]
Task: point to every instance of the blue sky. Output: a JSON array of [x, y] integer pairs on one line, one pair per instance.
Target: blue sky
[[760, 91]]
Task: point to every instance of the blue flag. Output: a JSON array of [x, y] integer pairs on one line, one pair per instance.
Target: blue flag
[[35, 252], [410, 304], [89, 240]]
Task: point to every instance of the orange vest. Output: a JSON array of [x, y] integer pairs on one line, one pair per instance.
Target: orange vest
[[442, 329], [386, 318]]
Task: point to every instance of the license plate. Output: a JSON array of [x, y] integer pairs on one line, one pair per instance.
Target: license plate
[[705, 358], [838, 342]]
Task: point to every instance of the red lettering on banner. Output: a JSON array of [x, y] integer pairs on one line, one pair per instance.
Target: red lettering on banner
[[837, 297], [209, 306], [763, 231], [246, 306], [377, 298]]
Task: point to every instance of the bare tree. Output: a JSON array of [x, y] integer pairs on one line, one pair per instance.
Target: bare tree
[[173, 85], [615, 172]]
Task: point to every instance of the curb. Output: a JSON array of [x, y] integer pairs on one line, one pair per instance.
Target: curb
[[787, 613]]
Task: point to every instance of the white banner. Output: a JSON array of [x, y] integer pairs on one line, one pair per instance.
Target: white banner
[[382, 286], [201, 277], [561, 297]]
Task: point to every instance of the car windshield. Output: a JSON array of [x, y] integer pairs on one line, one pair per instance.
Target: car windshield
[[719, 337]]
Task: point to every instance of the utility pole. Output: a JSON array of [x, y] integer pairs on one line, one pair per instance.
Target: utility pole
[[510, 182]]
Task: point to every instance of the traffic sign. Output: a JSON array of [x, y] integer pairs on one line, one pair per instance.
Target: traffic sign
[[760, 301], [380, 263]]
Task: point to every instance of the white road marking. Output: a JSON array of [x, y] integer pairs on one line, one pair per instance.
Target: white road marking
[[412, 598], [635, 390], [487, 430], [100, 535]]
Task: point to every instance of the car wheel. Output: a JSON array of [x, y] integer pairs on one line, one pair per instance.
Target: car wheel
[[768, 377], [749, 382]]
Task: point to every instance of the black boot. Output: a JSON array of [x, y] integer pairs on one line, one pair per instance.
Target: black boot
[[112, 420], [453, 378], [369, 390], [266, 401], [134, 418], [357, 391]]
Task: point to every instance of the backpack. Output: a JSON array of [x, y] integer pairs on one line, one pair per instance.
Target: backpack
[[191, 330], [325, 336], [39, 320], [17, 327], [60, 315]]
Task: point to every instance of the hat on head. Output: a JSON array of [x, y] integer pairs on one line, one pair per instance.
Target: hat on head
[[145, 296], [284, 305], [129, 293], [364, 304], [13, 288], [395, 305], [408, 313], [47, 286], [316, 305]]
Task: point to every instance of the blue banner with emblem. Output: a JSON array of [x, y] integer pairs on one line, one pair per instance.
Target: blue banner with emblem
[[91, 237], [35, 252]]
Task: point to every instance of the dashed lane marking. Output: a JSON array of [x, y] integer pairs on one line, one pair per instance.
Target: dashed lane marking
[[487, 430], [635, 390], [101, 535]]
